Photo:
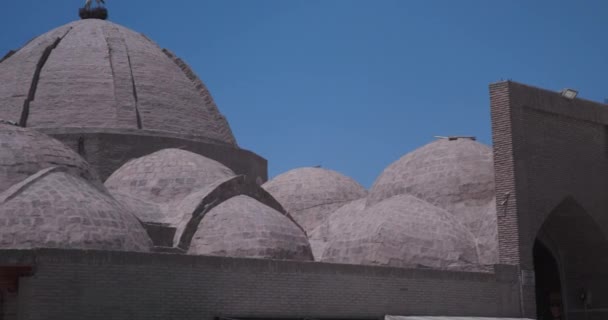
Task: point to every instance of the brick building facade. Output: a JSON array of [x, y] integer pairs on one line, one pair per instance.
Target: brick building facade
[[551, 175]]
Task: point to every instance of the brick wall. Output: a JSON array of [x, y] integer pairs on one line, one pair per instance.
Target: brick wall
[[549, 150], [105, 285]]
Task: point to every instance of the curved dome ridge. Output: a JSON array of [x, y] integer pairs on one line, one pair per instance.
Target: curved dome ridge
[[104, 75]]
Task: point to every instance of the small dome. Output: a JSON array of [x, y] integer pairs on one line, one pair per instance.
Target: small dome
[[24, 152], [103, 75], [455, 175], [166, 175], [403, 231], [311, 194], [327, 231], [244, 227], [54, 209]]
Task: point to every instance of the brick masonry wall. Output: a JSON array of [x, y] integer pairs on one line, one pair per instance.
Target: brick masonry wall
[[549, 150], [108, 149], [105, 285]]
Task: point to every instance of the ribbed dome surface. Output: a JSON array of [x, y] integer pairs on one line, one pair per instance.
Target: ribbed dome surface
[[244, 227], [102, 75], [456, 175], [166, 175], [55, 209], [403, 231], [311, 194], [24, 152]]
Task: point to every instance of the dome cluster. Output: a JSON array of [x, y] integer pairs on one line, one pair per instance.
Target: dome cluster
[[214, 211], [50, 198], [435, 208]]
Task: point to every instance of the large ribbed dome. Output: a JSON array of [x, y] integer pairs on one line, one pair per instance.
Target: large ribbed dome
[[455, 175], [166, 175], [311, 194], [403, 231], [24, 152], [97, 74], [244, 227], [55, 209]]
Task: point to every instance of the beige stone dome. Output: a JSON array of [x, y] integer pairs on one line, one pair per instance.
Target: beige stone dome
[[455, 175], [244, 227], [165, 176], [55, 209], [24, 152], [310, 195], [330, 229], [403, 231], [97, 74]]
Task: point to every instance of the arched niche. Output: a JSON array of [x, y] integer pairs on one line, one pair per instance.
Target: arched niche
[[571, 247]]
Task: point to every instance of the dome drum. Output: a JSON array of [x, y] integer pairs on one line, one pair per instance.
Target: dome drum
[[107, 149]]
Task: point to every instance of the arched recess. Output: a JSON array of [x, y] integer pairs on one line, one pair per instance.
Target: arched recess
[[579, 248]]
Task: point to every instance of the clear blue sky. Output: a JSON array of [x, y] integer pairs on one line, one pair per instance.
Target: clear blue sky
[[353, 85]]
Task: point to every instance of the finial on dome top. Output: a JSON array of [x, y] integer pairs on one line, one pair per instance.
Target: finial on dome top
[[99, 12]]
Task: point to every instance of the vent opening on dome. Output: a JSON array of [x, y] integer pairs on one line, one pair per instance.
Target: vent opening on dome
[[453, 138]]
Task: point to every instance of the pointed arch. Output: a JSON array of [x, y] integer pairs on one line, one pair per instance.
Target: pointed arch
[[578, 243]]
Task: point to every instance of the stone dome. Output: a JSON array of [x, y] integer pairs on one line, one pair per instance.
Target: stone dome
[[311, 194], [97, 74], [55, 209], [455, 175], [244, 227], [165, 176], [328, 230], [24, 152], [403, 231]]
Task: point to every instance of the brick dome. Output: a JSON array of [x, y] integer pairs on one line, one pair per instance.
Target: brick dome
[[165, 176], [55, 209], [24, 152], [402, 231], [244, 227], [311, 194], [329, 229], [455, 175], [97, 74]]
